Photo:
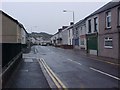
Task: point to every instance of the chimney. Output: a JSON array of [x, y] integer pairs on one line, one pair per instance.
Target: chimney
[[71, 23], [59, 30], [63, 27]]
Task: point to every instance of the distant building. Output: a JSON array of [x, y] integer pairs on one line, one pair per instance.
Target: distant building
[[70, 35]]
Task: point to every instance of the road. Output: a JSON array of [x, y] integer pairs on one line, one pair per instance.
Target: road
[[76, 71]]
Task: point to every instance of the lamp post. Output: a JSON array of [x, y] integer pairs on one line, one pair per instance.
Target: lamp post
[[73, 21], [72, 13]]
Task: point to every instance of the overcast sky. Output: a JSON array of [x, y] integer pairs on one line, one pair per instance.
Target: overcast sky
[[48, 16]]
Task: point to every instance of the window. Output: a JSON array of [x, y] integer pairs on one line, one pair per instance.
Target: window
[[82, 42], [81, 28], [69, 33], [108, 43], [108, 19], [77, 32], [89, 26], [119, 16], [95, 24]]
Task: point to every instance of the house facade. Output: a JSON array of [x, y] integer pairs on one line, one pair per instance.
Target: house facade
[[54, 38], [92, 30], [109, 33], [82, 40], [59, 39], [80, 35], [76, 35], [65, 36], [11, 38], [70, 35]]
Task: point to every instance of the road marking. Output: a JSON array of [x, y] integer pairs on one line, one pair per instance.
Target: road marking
[[104, 73], [55, 79], [55, 75], [74, 61], [56, 83]]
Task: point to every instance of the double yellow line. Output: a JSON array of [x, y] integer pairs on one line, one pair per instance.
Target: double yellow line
[[52, 75]]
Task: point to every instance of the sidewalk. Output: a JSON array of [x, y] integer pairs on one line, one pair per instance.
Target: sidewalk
[[100, 58], [28, 74]]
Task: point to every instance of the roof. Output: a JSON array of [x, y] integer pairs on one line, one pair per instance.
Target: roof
[[9, 17], [21, 25], [105, 7], [13, 20], [79, 22]]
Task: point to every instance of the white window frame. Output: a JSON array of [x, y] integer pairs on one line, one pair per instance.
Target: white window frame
[[89, 26], [108, 39], [96, 24], [108, 15]]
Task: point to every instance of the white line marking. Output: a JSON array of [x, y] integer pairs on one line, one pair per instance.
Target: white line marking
[[74, 61], [104, 73]]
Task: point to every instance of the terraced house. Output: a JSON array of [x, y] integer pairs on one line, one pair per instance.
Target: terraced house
[[92, 30], [109, 30], [82, 32], [11, 38], [98, 33]]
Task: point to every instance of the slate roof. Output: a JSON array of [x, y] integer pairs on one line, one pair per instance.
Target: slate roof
[[105, 7]]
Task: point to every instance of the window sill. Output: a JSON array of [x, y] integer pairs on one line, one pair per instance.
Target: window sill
[[89, 32], [107, 28], [108, 47]]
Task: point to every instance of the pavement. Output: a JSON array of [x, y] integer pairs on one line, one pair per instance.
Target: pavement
[[28, 74], [104, 59]]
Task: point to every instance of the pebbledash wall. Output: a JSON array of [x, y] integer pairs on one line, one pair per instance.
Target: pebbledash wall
[[11, 45], [111, 34]]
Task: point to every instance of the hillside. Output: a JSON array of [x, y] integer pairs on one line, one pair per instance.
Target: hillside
[[44, 35]]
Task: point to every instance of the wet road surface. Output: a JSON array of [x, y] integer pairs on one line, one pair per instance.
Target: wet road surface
[[78, 72]]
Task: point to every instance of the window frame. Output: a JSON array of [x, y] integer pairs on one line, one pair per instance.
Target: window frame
[[108, 39], [82, 42], [96, 24], [89, 26], [108, 16]]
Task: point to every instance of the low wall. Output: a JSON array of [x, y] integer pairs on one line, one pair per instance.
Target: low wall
[[9, 51], [67, 46], [7, 71]]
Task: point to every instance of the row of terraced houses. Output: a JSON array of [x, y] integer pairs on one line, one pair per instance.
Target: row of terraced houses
[[97, 34]]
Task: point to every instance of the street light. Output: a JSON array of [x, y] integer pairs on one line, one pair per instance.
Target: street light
[[73, 20], [72, 13]]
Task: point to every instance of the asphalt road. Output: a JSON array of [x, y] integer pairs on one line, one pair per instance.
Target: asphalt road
[[76, 71]]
